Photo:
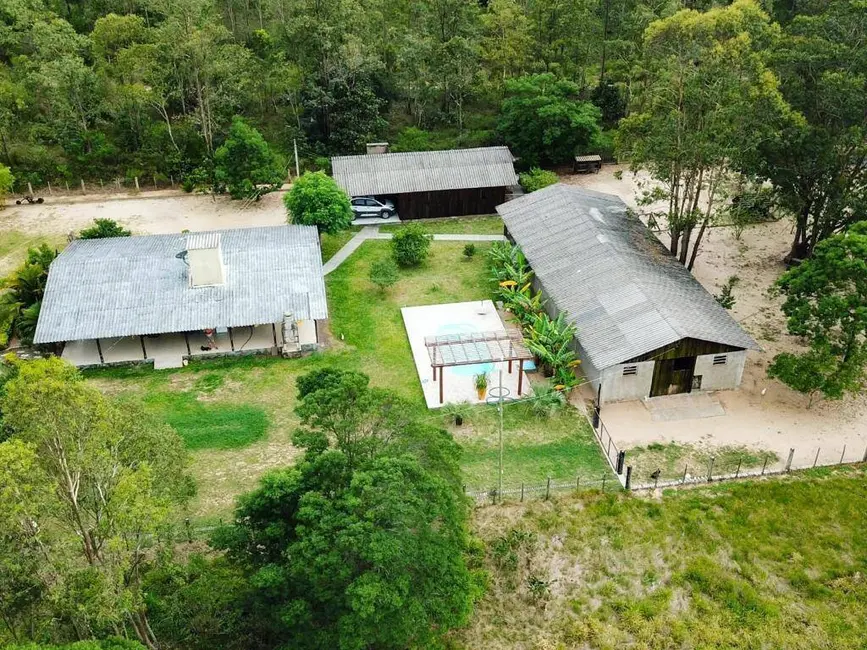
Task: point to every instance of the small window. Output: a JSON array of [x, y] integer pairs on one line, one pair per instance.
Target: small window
[[720, 360], [630, 370]]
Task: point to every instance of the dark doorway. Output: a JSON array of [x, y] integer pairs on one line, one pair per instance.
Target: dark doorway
[[672, 376]]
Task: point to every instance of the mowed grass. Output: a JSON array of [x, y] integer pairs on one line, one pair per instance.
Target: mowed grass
[[14, 245], [236, 415], [483, 225], [778, 563], [330, 244]]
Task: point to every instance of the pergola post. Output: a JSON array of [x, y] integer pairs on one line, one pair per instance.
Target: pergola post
[[520, 376], [442, 377], [434, 372], [510, 366]]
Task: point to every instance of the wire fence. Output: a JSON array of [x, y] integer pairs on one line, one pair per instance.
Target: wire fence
[[80, 187], [527, 491], [613, 454]]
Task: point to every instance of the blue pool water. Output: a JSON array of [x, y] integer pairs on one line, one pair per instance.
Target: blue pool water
[[465, 328]]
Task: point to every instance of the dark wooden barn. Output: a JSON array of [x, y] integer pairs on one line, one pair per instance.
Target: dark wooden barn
[[428, 184]]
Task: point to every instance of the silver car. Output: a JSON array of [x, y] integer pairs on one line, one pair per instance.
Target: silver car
[[367, 206]]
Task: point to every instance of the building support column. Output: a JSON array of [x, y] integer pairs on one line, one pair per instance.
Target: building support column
[[187, 341], [231, 338], [143, 349], [99, 350], [274, 332]]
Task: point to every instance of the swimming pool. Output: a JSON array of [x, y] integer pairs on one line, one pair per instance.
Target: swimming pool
[[465, 371]]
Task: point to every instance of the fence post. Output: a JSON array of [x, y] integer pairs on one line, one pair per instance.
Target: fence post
[[608, 453], [738, 472], [629, 477], [29, 188], [685, 470], [522, 492], [864, 460], [603, 482], [578, 482], [172, 180], [843, 454], [656, 482], [67, 185], [710, 469], [816, 459], [621, 459], [764, 465], [137, 189], [189, 532], [101, 184], [117, 183], [789, 461], [82, 186], [155, 181], [548, 489], [49, 187]]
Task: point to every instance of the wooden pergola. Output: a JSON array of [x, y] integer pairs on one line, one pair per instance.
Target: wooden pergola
[[450, 350]]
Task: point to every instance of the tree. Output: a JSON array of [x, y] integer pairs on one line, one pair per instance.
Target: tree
[[245, 165], [410, 245], [104, 228], [507, 42], [384, 273], [536, 179], [826, 303], [818, 166], [707, 102], [357, 550], [19, 304], [316, 200], [7, 180], [543, 121], [100, 485]]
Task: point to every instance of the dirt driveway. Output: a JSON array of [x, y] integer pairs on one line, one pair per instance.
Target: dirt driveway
[[763, 414]]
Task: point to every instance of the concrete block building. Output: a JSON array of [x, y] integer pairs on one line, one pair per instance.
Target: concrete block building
[[166, 298], [646, 326]]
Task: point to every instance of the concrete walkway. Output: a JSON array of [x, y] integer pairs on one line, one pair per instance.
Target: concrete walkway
[[372, 232]]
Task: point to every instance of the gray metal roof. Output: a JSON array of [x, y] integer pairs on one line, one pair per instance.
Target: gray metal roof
[[424, 171], [123, 286], [614, 279]]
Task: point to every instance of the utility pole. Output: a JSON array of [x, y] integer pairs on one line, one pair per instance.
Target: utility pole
[[297, 166], [500, 409]]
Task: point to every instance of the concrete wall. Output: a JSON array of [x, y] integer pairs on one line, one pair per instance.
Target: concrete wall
[[617, 387], [723, 376], [307, 334]]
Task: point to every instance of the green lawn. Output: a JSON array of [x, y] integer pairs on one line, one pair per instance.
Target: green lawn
[[672, 459], [768, 564], [332, 243], [484, 225], [14, 245], [236, 414]]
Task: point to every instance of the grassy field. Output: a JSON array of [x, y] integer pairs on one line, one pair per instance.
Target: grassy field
[[333, 243], [673, 459], [771, 564], [485, 225], [236, 414], [14, 245]]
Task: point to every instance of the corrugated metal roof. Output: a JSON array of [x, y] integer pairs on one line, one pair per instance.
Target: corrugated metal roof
[[202, 240], [612, 277], [124, 286], [424, 171]]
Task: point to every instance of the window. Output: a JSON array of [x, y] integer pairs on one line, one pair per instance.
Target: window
[[720, 360], [630, 370]]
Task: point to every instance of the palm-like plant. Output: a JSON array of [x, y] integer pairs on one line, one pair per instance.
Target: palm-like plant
[[20, 303], [550, 340]]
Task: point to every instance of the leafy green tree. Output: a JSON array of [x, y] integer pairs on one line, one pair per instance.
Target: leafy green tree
[[707, 102], [507, 42], [7, 180], [107, 644], [316, 200], [98, 483], [536, 179], [543, 120], [19, 304], [826, 304], [384, 273], [104, 228], [410, 246], [817, 165], [245, 165], [358, 550]]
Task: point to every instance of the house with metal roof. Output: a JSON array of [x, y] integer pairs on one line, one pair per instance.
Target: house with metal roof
[[425, 184], [167, 298], [645, 325]]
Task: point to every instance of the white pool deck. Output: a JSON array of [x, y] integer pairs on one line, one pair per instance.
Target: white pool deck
[[457, 318]]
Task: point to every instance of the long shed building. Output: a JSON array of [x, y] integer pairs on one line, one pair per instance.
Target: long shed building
[[646, 326], [428, 184]]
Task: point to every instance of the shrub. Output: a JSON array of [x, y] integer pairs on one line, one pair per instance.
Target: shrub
[[536, 179], [245, 164], [749, 206], [469, 251], [104, 228], [547, 401], [410, 245], [726, 297], [383, 273]]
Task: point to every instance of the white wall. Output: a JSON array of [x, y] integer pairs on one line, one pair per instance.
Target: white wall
[[617, 387], [306, 333], [721, 377]]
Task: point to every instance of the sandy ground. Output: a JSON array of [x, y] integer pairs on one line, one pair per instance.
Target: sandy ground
[[763, 414]]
